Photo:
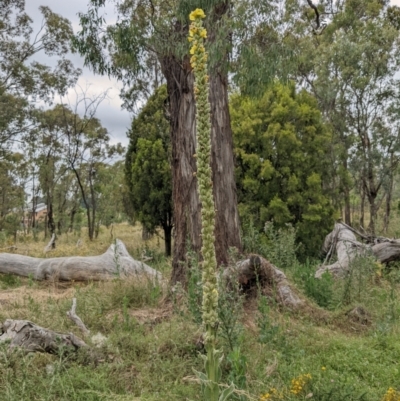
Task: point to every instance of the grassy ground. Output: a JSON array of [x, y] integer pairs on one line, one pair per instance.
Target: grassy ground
[[320, 352]]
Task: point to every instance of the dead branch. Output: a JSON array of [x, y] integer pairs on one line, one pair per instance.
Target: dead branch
[[76, 319], [33, 338]]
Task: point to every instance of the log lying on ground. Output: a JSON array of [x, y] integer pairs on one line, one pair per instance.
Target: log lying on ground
[[33, 338], [115, 262], [343, 242], [257, 271]]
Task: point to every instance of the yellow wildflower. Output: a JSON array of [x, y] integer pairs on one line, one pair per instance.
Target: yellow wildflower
[[299, 383], [198, 13], [203, 33], [192, 30], [193, 49], [391, 395], [323, 368]]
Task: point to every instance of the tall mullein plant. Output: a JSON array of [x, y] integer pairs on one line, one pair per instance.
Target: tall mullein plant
[[198, 61]]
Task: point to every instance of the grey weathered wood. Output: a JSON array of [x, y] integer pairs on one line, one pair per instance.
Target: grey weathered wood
[[115, 262], [76, 319], [344, 242], [33, 338], [255, 271], [50, 246]]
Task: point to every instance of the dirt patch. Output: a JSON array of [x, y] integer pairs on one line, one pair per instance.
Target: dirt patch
[[150, 316]]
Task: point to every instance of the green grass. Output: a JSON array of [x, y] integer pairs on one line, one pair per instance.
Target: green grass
[[153, 342]]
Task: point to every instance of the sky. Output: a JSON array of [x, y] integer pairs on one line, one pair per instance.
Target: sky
[[112, 116], [116, 120]]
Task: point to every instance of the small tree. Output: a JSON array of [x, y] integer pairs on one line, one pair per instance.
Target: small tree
[[281, 147], [147, 168]]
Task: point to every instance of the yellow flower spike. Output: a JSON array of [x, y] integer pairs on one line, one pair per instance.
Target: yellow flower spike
[[193, 49], [190, 39], [196, 14]]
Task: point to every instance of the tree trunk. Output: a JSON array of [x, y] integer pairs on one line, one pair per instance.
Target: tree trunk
[[183, 139], [362, 207], [71, 219], [115, 262], [168, 240], [388, 200], [50, 220], [347, 205], [227, 226], [372, 212]]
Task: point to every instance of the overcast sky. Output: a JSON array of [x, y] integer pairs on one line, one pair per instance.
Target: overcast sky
[[116, 120]]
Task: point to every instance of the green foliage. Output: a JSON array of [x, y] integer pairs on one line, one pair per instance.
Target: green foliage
[[357, 277], [352, 70], [147, 167], [281, 146], [23, 79], [320, 290], [278, 245], [269, 332], [9, 281]]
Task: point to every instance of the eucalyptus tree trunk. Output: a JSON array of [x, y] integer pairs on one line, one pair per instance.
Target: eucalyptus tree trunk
[[184, 194], [362, 206], [388, 201], [227, 226]]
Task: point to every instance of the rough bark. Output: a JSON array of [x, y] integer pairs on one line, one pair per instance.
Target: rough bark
[[33, 338], [343, 242], [227, 226], [183, 139], [257, 272], [115, 262]]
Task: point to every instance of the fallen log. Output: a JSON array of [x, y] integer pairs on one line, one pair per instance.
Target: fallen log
[[257, 273], [115, 262], [343, 242], [33, 338]]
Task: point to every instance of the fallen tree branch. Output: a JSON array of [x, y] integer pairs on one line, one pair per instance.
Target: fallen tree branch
[[347, 248], [51, 245], [115, 262], [76, 319], [33, 338]]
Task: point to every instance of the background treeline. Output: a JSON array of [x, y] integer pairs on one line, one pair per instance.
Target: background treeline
[[314, 107]]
